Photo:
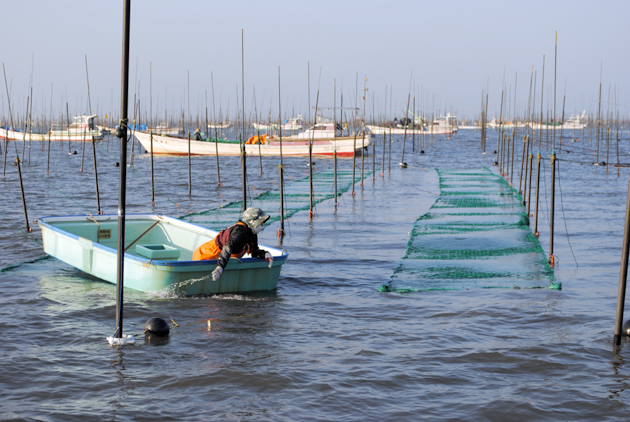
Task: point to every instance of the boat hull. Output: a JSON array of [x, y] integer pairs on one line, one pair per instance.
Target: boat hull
[[85, 251], [570, 126], [13, 135], [429, 130], [179, 146]]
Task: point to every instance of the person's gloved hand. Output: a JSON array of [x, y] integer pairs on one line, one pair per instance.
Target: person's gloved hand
[[217, 273], [269, 258]]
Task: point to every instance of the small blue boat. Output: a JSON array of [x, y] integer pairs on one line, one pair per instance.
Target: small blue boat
[[158, 254]]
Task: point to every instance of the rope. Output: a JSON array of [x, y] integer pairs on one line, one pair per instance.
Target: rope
[[196, 175], [32, 261], [17, 227], [59, 190], [143, 179], [566, 230], [176, 325]]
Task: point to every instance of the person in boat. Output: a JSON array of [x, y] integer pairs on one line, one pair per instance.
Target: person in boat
[[197, 136], [236, 241]]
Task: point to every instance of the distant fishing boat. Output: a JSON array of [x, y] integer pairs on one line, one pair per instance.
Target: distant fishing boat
[[396, 130], [165, 129], [443, 125], [223, 125], [82, 128], [290, 125], [158, 254], [323, 131], [572, 123], [266, 145], [505, 125]]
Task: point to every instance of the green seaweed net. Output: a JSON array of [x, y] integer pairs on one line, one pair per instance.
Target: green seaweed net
[[296, 198], [476, 235]]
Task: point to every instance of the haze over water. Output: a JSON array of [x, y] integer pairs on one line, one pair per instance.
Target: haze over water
[[325, 345]]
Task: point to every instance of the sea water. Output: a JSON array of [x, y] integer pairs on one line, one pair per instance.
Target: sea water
[[326, 345]]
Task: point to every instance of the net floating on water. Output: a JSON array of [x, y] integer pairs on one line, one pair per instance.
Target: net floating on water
[[296, 199], [476, 235]]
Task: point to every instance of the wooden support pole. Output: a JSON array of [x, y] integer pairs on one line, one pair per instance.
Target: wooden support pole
[[17, 163]]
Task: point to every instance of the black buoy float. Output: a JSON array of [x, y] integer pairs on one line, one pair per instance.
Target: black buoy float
[[421, 151], [496, 163], [156, 326], [116, 164], [494, 152], [403, 165]]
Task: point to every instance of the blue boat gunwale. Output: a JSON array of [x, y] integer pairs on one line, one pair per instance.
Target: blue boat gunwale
[[161, 263]]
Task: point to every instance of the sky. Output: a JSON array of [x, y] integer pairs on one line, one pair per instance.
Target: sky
[[443, 54]]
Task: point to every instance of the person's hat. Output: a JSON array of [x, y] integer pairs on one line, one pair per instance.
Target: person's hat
[[254, 217]]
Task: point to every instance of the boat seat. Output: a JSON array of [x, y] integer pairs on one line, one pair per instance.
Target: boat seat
[[158, 251]]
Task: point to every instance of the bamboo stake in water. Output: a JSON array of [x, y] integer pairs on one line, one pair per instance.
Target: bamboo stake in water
[[402, 157], [17, 162], [390, 151], [310, 161], [512, 160], [520, 178], [98, 199], [363, 151], [216, 146], [542, 91], [6, 147], [374, 160], [623, 274], [383, 166], [537, 194], [529, 191], [552, 206], [189, 169], [68, 122], [354, 160], [555, 66], [260, 152], [281, 231], [152, 177], [48, 160], [123, 171], [500, 126]]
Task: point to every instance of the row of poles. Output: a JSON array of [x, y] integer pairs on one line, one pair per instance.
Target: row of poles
[[506, 167]]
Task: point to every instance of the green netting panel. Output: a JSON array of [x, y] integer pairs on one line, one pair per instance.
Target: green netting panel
[[296, 198], [476, 235]]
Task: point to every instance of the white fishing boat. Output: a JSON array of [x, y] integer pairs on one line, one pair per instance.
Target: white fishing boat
[[290, 125], [575, 122], [443, 125], [379, 130], [494, 124], [268, 145], [158, 254], [440, 126], [166, 129], [223, 125], [82, 128], [9, 134]]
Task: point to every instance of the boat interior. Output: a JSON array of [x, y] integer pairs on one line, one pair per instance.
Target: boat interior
[[150, 238]]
